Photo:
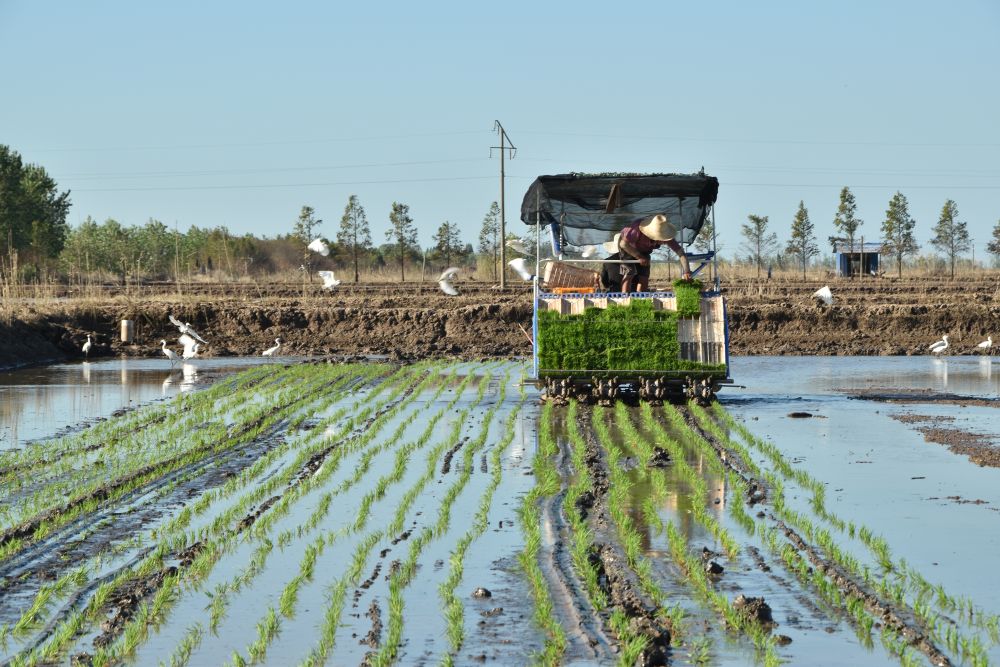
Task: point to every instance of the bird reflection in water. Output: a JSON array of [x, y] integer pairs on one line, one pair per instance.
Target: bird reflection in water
[[941, 371], [985, 367], [86, 371], [189, 379]]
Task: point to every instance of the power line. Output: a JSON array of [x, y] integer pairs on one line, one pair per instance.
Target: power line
[[793, 142], [262, 170], [280, 185], [99, 149]]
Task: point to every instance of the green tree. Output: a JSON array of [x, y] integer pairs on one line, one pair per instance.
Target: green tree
[[802, 244], [759, 243], [447, 242], [950, 235], [32, 210], [304, 231], [993, 247], [846, 221], [354, 235], [489, 236], [402, 235], [897, 231]]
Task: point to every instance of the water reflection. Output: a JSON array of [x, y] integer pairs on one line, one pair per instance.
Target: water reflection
[[40, 402]]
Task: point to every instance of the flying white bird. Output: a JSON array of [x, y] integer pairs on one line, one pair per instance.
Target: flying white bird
[[517, 245], [824, 294], [588, 251], [185, 328], [329, 281], [269, 352], [190, 346], [939, 346], [86, 347], [318, 245], [444, 282], [521, 267], [171, 355], [986, 344]]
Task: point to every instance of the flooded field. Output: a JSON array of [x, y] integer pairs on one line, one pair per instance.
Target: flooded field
[[832, 512]]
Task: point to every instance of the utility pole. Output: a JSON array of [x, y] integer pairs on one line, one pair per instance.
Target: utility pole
[[504, 140]]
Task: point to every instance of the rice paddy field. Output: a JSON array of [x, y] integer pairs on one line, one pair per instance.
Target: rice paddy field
[[436, 513]]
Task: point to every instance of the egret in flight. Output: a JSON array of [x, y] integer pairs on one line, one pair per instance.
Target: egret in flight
[[521, 267], [185, 328], [318, 245], [190, 346], [269, 352], [444, 282], [517, 245], [329, 281]]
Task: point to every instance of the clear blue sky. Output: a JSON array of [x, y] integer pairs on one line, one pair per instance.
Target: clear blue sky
[[238, 113]]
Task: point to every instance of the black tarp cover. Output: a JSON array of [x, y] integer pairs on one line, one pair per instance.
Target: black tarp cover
[[579, 203]]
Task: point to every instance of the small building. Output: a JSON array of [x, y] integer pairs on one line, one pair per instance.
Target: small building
[[865, 258]]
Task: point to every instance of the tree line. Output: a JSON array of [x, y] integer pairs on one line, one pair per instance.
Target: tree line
[[895, 236], [38, 243]]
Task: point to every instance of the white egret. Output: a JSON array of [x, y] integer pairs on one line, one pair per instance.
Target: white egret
[[185, 328], [824, 294], [444, 282], [190, 346], [986, 344], [269, 352], [521, 267], [171, 355], [517, 245], [939, 346], [329, 281], [86, 347], [318, 245]]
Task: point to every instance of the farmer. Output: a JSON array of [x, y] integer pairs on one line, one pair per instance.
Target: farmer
[[638, 241]]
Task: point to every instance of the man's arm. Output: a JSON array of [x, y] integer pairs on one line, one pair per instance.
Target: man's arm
[[634, 252], [682, 256]]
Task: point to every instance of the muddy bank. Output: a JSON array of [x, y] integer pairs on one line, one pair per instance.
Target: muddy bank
[[866, 318]]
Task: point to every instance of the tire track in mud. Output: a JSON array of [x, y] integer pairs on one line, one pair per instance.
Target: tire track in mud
[[900, 618], [619, 583]]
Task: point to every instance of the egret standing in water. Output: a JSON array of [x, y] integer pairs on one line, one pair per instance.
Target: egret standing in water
[[171, 355], [86, 347], [269, 352], [939, 346]]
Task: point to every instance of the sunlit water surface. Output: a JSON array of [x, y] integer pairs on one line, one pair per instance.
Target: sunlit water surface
[[41, 402], [881, 472]]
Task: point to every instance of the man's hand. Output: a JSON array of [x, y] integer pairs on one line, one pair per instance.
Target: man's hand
[[686, 276]]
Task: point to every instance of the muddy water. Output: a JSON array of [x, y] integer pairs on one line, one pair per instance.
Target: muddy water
[[935, 508], [40, 402]]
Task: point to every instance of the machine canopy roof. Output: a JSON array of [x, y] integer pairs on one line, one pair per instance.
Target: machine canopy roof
[[590, 208]]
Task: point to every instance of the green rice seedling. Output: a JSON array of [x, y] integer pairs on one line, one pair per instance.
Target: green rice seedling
[[182, 654]]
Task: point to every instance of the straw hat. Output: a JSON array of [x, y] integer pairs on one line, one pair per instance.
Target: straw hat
[[612, 245], [658, 229]]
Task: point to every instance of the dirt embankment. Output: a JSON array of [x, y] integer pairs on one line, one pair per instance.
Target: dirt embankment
[[867, 317]]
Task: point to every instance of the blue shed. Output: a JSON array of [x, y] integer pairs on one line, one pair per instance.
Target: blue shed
[[863, 260]]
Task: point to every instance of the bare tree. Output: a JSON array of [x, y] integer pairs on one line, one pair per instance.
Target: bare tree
[[759, 243]]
